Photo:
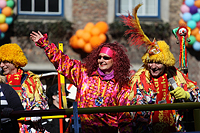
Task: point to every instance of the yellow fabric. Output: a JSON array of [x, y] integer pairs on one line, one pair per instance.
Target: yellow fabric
[[180, 93], [13, 53], [165, 56]]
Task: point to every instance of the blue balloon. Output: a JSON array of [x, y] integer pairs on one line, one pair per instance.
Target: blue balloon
[[2, 35], [189, 3], [196, 17], [187, 16], [192, 24], [196, 46], [9, 20]]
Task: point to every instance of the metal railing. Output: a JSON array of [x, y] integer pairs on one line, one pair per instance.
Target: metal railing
[[195, 106]]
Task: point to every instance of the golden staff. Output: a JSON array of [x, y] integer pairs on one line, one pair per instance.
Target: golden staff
[[62, 82]]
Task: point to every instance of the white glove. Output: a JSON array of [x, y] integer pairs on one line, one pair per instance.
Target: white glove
[[37, 118]]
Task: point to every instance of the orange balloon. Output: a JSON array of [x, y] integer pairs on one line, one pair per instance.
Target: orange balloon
[[86, 36], [88, 48], [182, 22], [73, 41], [80, 43], [95, 41], [4, 27], [197, 37], [195, 31], [197, 3], [79, 33], [95, 31], [103, 26], [7, 11], [102, 37], [88, 26]]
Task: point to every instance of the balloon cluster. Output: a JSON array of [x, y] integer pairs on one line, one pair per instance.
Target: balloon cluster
[[6, 11], [191, 17], [90, 37]]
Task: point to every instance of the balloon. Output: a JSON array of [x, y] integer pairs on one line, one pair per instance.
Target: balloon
[[196, 17], [193, 9], [10, 3], [2, 18], [195, 31], [7, 11], [192, 40], [9, 20], [4, 27], [95, 41], [102, 37], [187, 16], [189, 2], [2, 35], [182, 22], [197, 3], [191, 24], [80, 43], [73, 41], [197, 37], [103, 26], [198, 25], [87, 48], [79, 33], [196, 46], [95, 31], [86, 36], [185, 8], [88, 26], [2, 3]]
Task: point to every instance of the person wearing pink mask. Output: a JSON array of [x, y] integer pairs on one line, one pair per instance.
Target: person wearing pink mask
[[101, 81]]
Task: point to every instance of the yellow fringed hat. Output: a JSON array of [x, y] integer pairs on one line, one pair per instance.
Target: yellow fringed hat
[[157, 51], [13, 53], [164, 55]]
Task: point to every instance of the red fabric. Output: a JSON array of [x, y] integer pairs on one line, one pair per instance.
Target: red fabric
[[161, 85], [15, 79]]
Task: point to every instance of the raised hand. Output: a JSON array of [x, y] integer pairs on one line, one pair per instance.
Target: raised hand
[[35, 36]]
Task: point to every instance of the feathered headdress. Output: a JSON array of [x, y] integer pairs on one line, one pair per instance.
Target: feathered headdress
[[157, 51]]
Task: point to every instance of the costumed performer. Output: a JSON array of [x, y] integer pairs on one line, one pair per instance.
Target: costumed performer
[[150, 83], [101, 81], [25, 83]]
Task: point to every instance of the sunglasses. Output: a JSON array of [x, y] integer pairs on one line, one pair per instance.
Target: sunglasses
[[104, 57]]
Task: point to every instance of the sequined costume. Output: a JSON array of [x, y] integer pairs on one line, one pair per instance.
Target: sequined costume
[[89, 89], [145, 92]]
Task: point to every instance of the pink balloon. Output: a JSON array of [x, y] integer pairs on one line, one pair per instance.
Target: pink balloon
[[185, 8], [2, 3]]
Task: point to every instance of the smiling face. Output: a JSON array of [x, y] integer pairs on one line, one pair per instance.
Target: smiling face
[[105, 63], [8, 68], [156, 69]]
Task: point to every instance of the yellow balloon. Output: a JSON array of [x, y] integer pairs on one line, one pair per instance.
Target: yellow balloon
[[2, 18]]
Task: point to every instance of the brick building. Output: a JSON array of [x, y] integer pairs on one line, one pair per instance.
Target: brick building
[[80, 12]]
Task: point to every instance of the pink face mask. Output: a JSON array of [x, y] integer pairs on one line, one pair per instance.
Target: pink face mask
[[107, 51]]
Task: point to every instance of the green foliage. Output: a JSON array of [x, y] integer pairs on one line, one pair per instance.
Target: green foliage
[[157, 30], [59, 29]]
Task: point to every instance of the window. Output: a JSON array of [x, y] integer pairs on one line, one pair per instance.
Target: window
[[40, 7], [150, 8]]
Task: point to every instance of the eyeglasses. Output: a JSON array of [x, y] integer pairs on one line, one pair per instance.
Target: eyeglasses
[[104, 57], [4, 62]]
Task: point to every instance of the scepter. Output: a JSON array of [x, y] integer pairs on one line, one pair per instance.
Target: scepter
[[182, 35]]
